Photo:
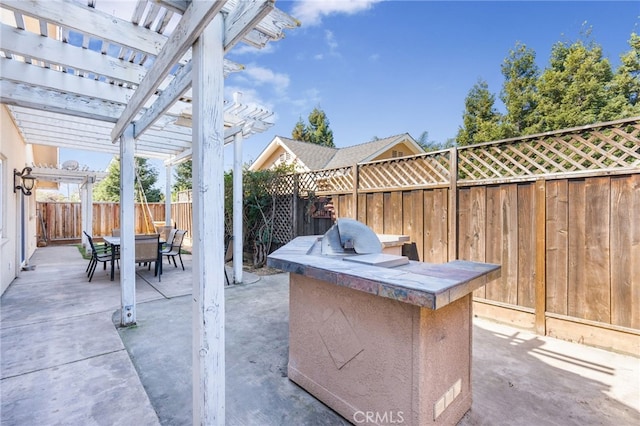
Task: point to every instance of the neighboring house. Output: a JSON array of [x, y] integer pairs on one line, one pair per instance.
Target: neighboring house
[[308, 156]]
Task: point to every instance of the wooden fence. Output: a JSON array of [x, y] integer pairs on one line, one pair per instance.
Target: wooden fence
[[62, 222], [559, 211]]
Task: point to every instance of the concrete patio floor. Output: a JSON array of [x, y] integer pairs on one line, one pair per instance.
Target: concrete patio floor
[[64, 362]]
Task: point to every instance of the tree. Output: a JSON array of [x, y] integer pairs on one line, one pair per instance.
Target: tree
[[625, 85], [299, 132], [574, 88], [481, 121], [519, 91], [183, 176], [429, 146], [317, 131], [109, 188]]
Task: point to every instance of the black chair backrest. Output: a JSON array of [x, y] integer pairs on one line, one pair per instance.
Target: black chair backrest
[[228, 255], [93, 248], [178, 239]]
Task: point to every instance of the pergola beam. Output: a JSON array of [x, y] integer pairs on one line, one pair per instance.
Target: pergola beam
[[91, 22], [180, 84], [48, 79], [244, 17], [20, 94], [193, 22], [51, 51]]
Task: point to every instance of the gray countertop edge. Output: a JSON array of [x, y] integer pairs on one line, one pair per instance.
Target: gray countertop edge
[[417, 283]]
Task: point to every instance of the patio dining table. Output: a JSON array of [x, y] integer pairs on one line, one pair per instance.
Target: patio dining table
[[114, 242]]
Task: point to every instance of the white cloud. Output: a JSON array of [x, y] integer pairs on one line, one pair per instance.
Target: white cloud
[[311, 12], [331, 41], [264, 76], [245, 49], [374, 57]]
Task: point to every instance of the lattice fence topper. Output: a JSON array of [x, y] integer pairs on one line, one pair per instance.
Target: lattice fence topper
[[432, 169], [608, 146]]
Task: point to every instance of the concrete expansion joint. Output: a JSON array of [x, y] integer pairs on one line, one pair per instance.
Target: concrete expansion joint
[[63, 364]]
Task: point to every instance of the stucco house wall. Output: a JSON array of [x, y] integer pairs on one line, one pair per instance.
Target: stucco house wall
[[14, 154]]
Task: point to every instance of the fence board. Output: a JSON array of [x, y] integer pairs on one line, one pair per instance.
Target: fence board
[[502, 242], [625, 251], [597, 255], [362, 208], [526, 245], [412, 219], [557, 237], [375, 212], [576, 282], [393, 212], [436, 225], [472, 207]]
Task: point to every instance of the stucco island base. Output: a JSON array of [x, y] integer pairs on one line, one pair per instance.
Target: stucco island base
[[377, 360]]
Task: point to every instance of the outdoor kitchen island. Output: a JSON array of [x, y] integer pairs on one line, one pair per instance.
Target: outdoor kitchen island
[[380, 344]]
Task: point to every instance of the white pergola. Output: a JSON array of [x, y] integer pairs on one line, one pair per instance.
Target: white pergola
[[74, 75]]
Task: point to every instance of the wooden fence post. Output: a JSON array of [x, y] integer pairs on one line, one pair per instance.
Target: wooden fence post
[[541, 244], [355, 191], [452, 237]]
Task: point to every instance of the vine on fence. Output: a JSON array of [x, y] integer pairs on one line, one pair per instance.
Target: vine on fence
[[258, 209]]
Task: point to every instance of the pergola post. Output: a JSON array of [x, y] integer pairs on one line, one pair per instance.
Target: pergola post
[[237, 208], [208, 227], [127, 229], [83, 219], [86, 200], [167, 196]]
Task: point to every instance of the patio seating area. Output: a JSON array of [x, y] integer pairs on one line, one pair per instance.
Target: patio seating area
[[64, 361]]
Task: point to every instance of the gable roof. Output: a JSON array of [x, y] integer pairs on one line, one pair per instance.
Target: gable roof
[[316, 157], [312, 155], [364, 152]]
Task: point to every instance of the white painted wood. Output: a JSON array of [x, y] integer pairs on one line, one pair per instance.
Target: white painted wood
[[176, 5], [193, 22], [180, 83], [167, 194], [237, 209], [83, 219], [87, 223], [127, 230], [91, 22], [243, 18], [52, 51], [269, 28], [208, 224], [37, 98]]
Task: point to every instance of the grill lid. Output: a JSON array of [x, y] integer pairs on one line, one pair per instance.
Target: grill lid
[[348, 236]]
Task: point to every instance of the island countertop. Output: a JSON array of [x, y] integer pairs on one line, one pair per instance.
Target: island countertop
[[424, 284]]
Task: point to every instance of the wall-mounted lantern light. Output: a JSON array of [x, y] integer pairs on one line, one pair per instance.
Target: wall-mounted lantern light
[[23, 181]]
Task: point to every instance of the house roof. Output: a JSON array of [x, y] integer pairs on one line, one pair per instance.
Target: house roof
[[316, 157], [313, 156], [364, 152]]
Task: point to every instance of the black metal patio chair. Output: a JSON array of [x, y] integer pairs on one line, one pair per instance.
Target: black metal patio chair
[[174, 247], [99, 254]]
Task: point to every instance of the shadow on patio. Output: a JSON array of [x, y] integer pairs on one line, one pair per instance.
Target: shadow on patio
[[64, 362]]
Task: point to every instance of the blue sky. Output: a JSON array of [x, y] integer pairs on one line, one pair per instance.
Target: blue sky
[[381, 68]]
